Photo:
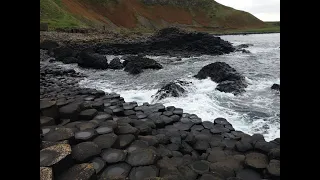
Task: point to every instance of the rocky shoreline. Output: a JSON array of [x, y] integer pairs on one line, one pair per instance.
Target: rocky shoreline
[[89, 134]]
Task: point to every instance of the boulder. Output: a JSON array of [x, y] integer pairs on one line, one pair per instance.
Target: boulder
[[276, 87], [172, 89], [115, 64], [85, 135], [135, 64], [92, 60], [124, 141], [222, 73]]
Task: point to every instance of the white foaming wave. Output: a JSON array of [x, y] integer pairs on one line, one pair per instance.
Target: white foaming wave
[[110, 57]]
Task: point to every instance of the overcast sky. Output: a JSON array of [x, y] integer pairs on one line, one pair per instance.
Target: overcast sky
[[266, 10]]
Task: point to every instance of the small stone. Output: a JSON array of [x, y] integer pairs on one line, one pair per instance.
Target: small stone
[[46, 173], [85, 135], [84, 171], [248, 174], [104, 130], [142, 157], [124, 140], [106, 140], [88, 114], [143, 172], [200, 167], [58, 157], [113, 155], [84, 151], [256, 160], [98, 164], [116, 172], [274, 168]]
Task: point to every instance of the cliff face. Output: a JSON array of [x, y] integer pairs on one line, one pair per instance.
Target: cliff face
[[146, 14]]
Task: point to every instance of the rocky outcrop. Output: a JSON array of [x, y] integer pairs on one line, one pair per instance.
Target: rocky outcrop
[[228, 79], [172, 42], [172, 89], [136, 64], [93, 60]]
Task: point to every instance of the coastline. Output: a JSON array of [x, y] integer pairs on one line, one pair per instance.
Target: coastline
[[92, 134]]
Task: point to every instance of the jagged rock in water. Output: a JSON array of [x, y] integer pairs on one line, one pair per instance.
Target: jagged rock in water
[[276, 87], [228, 78], [115, 64], [92, 60], [136, 64], [172, 89]]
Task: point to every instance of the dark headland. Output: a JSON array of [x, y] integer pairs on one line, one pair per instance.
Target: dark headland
[[90, 134]]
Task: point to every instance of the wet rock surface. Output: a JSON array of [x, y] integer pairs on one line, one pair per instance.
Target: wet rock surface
[[91, 134]]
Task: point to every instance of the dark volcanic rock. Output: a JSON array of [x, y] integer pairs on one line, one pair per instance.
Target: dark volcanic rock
[[276, 87], [172, 89], [228, 78], [116, 172], [88, 114], [274, 154], [47, 121], [248, 174], [113, 155], [115, 64], [59, 134], [143, 172], [274, 168], [98, 164], [213, 176], [256, 160], [83, 171], [135, 64], [84, 151], [106, 140], [85, 135], [104, 130], [182, 43], [48, 45], [142, 157], [92, 60], [137, 144], [200, 167], [124, 140]]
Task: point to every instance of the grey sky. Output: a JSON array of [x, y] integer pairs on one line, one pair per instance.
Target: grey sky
[[266, 10]]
